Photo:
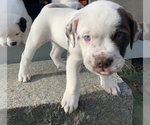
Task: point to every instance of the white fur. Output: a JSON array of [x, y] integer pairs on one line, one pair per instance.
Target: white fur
[[99, 20], [15, 10]]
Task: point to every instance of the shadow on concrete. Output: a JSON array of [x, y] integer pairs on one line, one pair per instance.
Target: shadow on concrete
[[40, 76], [97, 108]]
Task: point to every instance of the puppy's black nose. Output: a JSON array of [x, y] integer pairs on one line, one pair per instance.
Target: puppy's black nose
[[13, 43], [103, 62]]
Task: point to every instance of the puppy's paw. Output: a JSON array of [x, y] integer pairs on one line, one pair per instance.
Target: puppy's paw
[[61, 66], [111, 88], [24, 77], [70, 102]]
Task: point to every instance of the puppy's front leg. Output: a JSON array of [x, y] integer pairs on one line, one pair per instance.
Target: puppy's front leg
[[109, 85], [31, 46], [71, 95]]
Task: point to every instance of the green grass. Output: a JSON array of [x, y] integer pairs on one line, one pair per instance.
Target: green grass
[[130, 70]]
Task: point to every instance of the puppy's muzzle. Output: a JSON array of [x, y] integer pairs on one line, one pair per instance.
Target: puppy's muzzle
[[103, 62], [13, 43], [102, 65]]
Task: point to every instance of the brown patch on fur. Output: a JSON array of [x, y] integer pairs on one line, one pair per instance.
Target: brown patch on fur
[[70, 29], [93, 55], [73, 34], [68, 53], [78, 37], [69, 32], [68, 42], [67, 35], [128, 26]]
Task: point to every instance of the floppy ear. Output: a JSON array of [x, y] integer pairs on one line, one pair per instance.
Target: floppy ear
[[135, 30], [22, 24], [71, 30]]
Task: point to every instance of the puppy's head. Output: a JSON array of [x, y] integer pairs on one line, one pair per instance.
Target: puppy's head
[[11, 33], [103, 30]]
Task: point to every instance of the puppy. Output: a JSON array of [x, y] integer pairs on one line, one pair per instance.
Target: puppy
[[18, 23], [97, 35]]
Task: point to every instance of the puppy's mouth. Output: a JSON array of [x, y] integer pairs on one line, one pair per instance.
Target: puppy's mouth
[[102, 71]]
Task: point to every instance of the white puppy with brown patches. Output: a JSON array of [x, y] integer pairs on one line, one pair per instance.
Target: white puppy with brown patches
[[96, 35]]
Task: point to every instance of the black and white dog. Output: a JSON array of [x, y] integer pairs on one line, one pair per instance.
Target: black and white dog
[[16, 28]]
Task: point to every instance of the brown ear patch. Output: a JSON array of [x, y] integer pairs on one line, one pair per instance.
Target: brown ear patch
[[129, 27], [129, 24], [71, 30]]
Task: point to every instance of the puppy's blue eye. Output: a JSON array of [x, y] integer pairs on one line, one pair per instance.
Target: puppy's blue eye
[[87, 38], [119, 36]]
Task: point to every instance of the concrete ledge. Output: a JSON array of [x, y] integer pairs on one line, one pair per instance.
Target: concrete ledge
[[38, 101]]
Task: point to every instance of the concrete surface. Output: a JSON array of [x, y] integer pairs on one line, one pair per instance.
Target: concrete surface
[[3, 94], [38, 101]]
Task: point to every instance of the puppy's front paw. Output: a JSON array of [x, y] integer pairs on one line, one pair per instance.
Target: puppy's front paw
[[111, 88], [24, 77], [70, 102]]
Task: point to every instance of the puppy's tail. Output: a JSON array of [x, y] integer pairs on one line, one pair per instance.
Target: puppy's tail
[[55, 5]]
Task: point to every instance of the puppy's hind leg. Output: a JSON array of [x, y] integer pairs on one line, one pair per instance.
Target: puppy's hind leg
[[55, 54]]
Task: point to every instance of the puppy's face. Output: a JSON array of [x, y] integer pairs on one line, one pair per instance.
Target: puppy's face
[[11, 33], [103, 35]]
